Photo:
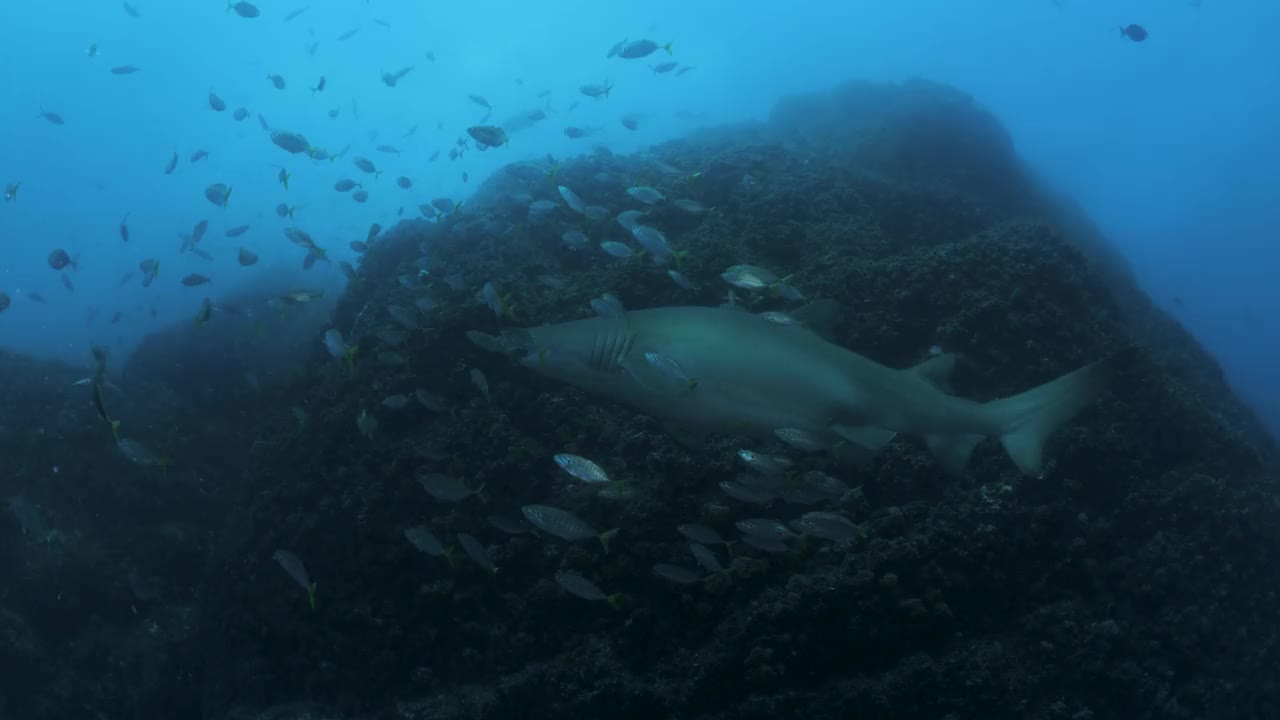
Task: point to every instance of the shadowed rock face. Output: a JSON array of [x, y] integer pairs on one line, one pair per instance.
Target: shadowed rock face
[[1131, 575]]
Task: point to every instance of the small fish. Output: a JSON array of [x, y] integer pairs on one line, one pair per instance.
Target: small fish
[[243, 9], [582, 468], [59, 259], [205, 312], [779, 318], [247, 258], [641, 48], [655, 243], [124, 228], [480, 381], [828, 526], [404, 316], [132, 11], [195, 280], [646, 194], [425, 541], [663, 67], [595, 90], [404, 182], [770, 465], [799, 439], [198, 155], [701, 534], [685, 69], [217, 103], [477, 552], [394, 402], [578, 586], [676, 573], [291, 142], [92, 50], [617, 249], [430, 401], [1134, 32], [764, 528], [241, 114], [52, 117], [447, 488], [705, 557], [367, 166], [366, 424], [292, 565], [565, 525], [283, 177], [693, 207], [608, 306], [630, 122], [319, 86], [389, 149], [680, 279], [572, 200], [125, 69], [630, 219], [295, 13], [284, 211], [218, 194], [11, 191], [150, 269], [360, 196], [479, 100], [346, 184], [277, 81], [749, 277], [489, 135], [574, 240]]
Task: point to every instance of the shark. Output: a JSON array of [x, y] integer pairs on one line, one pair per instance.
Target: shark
[[711, 369]]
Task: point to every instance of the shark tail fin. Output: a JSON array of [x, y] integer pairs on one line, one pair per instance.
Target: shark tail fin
[[1026, 420]]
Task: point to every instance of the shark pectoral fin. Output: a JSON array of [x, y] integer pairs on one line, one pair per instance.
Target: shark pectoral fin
[[937, 370], [869, 438], [953, 451]]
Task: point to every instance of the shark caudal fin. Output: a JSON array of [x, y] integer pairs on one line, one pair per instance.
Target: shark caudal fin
[[1026, 420]]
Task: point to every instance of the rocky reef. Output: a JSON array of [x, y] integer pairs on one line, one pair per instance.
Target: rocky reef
[[1128, 581]]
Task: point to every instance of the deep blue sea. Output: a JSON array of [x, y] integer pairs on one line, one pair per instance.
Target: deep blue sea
[[1169, 144]]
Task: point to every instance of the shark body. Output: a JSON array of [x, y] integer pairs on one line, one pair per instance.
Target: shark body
[[738, 372]]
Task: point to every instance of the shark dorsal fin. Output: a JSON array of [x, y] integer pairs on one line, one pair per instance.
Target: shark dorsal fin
[[937, 370], [821, 317]]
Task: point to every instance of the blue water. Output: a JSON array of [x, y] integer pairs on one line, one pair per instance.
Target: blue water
[[1170, 145]]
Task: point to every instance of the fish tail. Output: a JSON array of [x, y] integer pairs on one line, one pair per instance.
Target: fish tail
[[667, 47], [1122, 32], [1025, 421], [615, 601], [311, 596], [115, 430], [226, 198], [480, 493]]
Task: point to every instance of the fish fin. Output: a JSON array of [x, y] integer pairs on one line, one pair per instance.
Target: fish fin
[[667, 47], [937, 370], [1026, 420], [311, 596], [480, 493], [870, 438], [953, 451], [820, 316], [606, 537], [614, 600]]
